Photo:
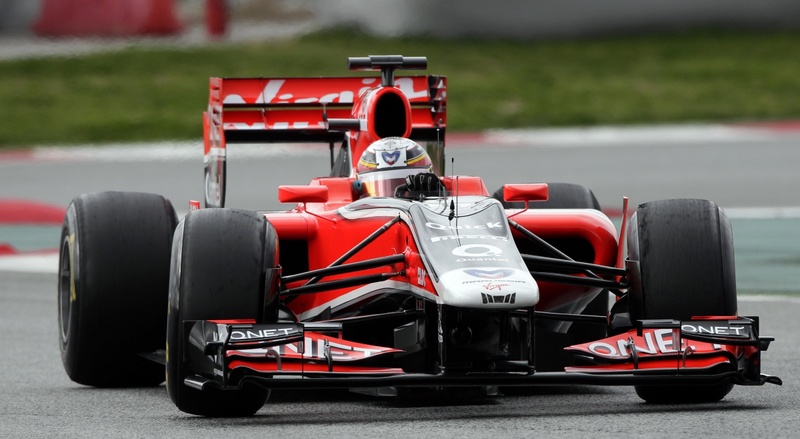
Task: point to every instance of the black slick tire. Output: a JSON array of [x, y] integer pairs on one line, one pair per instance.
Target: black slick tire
[[684, 252], [220, 264], [112, 287]]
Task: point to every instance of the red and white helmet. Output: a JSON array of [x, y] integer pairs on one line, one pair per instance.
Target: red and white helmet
[[386, 163]]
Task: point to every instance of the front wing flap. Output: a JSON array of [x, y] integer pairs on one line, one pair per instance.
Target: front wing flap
[[227, 351], [679, 347]]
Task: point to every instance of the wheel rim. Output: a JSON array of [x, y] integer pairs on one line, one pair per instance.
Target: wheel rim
[[213, 190], [65, 289]]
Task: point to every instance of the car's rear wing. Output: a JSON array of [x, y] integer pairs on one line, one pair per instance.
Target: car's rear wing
[[269, 110], [352, 110]]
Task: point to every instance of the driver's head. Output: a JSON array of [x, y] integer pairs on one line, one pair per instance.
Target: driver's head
[[385, 164]]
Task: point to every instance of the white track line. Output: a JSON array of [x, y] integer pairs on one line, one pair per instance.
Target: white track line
[[166, 151], [640, 136], [763, 212], [30, 263], [603, 136]]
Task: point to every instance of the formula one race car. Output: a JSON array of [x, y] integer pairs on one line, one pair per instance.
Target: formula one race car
[[388, 274]]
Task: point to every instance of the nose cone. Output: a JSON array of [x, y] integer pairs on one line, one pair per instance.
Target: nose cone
[[489, 287]]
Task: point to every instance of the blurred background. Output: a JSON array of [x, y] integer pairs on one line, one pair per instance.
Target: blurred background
[[649, 99], [448, 18], [445, 18], [520, 63]]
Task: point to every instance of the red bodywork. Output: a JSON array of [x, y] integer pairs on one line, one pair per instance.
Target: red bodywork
[[329, 235]]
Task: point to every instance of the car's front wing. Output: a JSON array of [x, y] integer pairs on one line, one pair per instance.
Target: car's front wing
[[313, 355]]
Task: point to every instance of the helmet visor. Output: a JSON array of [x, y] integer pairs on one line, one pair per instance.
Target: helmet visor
[[384, 183]]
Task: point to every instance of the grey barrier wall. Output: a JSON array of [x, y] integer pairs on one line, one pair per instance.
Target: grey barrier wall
[[17, 16], [553, 18], [499, 18]]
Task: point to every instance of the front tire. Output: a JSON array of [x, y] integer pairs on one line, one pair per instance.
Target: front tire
[[112, 286], [223, 268], [684, 251]]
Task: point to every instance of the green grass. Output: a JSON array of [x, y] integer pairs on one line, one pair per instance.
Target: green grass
[[151, 93]]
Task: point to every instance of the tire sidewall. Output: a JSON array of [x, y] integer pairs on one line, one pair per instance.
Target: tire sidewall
[[69, 313], [175, 373]]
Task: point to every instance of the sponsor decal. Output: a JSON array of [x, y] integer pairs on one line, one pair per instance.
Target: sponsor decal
[[487, 226], [476, 250], [494, 286], [490, 274], [452, 237], [406, 85], [390, 157], [490, 259], [421, 276], [478, 253], [489, 281], [281, 92], [317, 347], [652, 342], [272, 93], [709, 328], [263, 334]]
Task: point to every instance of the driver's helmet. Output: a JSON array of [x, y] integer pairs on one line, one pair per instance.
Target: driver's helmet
[[386, 163]]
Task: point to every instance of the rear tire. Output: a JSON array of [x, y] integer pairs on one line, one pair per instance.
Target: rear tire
[[560, 196], [684, 250], [112, 287], [565, 196], [221, 270]]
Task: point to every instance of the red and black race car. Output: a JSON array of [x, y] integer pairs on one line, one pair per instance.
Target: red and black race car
[[388, 274]]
